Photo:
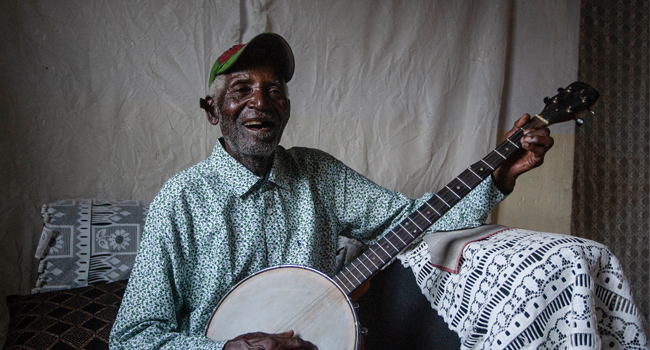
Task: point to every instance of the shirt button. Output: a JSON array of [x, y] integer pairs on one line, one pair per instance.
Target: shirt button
[[269, 211]]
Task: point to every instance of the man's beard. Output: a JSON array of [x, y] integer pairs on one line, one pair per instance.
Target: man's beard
[[242, 143]]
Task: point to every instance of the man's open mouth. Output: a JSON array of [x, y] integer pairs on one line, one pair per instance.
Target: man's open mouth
[[254, 124]]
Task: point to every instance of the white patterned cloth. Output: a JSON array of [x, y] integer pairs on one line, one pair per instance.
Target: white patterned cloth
[[521, 289]]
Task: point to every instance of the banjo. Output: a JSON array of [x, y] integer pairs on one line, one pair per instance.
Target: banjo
[[317, 307]]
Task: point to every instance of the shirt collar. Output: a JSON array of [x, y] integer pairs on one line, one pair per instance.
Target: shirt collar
[[241, 180], [281, 174]]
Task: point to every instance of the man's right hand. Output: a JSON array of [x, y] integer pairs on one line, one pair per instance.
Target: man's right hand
[[259, 341]]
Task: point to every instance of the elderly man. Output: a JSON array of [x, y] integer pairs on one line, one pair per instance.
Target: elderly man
[[253, 204]]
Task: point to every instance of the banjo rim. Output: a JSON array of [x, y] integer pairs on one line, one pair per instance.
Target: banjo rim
[[347, 298]]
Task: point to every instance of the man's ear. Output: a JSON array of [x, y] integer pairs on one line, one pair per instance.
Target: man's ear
[[288, 112], [210, 110]]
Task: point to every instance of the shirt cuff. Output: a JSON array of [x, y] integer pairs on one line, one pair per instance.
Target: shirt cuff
[[494, 181]]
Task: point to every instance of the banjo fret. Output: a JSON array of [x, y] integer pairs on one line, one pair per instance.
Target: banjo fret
[[377, 255], [341, 284], [360, 263], [364, 265], [353, 275], [425, 218], [398, 237], [372, 262]]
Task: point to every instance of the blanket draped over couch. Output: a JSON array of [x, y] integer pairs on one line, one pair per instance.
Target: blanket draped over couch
[[523, 289]]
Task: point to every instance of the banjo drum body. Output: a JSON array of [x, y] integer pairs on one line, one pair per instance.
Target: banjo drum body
[[284, 298]]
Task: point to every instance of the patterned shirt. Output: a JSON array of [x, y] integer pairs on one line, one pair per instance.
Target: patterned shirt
[[216, 223]]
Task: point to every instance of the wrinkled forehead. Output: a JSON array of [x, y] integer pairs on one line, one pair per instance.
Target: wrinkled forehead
[[258, 60]]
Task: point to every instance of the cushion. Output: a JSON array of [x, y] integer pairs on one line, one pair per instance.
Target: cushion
[[87, 241], [79, 318]]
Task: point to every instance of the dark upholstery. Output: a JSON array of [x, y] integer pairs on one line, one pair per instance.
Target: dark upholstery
[[398, 316], [394, 310], [79, 318]]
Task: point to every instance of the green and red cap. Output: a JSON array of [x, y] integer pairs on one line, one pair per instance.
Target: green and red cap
[[268, 46]]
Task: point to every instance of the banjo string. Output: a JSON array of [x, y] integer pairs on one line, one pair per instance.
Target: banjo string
[[307, 309]]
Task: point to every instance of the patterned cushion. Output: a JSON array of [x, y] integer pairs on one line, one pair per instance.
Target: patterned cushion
[[79, 318], [91, 241]]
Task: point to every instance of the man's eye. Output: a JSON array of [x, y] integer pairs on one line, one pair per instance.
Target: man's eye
[[276, 92], [239, 89]]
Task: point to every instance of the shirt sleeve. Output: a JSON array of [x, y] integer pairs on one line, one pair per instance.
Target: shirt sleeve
[[152, 304], [369, 211], [471, 211]]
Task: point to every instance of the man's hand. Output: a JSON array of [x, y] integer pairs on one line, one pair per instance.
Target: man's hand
[[265, 341], [535, 143]]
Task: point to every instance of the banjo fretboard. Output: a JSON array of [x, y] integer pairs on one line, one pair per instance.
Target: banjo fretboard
[[562, 107], [402, 235]]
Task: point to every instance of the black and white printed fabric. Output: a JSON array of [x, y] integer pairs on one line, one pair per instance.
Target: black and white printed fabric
[[521, 289], [88, 241]]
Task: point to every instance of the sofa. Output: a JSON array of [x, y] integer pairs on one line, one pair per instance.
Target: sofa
[[87, 248], [514, 289]]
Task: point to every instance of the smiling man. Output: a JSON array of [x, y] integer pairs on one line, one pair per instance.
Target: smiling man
[[253, 110], [253, 204]]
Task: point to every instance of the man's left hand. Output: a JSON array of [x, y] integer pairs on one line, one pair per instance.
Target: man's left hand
[[266, 341], [535, 143]]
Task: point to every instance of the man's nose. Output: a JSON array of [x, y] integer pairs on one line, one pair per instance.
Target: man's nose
[[258, 100]]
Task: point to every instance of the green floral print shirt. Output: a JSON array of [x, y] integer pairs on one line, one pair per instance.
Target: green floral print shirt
[[216, 223]]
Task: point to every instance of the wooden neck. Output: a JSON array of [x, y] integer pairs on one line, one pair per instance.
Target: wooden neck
[[402, 235]]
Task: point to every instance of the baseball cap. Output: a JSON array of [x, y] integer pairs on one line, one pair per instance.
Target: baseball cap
[[268, 46]]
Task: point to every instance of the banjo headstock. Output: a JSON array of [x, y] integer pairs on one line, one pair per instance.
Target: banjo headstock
[[568, 103]]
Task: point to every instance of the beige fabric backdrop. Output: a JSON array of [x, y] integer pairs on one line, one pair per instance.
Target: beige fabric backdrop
[[100, 99]]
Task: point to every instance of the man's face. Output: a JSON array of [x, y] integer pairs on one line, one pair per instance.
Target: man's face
[[253, 110]]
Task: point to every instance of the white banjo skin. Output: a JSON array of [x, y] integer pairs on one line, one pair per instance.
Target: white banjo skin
[[288, 297]]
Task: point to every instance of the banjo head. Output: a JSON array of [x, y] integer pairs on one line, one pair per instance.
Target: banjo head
[[284, 298]]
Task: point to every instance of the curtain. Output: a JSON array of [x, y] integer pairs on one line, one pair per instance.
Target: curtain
[[611, 188], [100, 99]]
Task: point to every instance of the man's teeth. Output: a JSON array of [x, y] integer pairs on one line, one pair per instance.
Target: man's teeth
[[257, 124]]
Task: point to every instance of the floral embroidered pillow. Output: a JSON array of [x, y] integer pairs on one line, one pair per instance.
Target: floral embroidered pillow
[[88, 241]]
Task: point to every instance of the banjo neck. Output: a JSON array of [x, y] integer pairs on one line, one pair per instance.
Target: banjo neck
[[408, 230], [562, 107]]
